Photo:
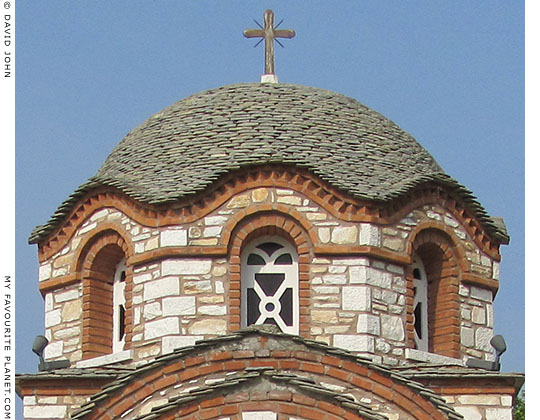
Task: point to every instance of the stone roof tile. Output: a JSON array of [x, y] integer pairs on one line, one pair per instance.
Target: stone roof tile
[[184, 148]]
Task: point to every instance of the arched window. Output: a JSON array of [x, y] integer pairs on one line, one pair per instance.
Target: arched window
[[270, 284], [106, 327], [420, 305], [434, 278], [119, 307]]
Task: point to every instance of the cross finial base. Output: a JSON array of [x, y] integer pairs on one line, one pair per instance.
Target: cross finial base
[[269, 78]]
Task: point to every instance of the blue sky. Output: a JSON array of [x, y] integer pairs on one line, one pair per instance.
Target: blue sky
[[449, 73]]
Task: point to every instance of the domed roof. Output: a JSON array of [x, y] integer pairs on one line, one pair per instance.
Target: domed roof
[[189, 144], [184, 148]]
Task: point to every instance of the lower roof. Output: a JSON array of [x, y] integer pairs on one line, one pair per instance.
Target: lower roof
[[409, 376]]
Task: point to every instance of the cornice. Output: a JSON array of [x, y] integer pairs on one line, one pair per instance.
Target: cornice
[[336, 203]]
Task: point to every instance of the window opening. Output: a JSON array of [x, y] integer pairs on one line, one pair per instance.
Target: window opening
[[119, 307], [270, 284], [420, 305]]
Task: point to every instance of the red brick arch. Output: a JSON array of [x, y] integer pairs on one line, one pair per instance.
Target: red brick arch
[[284, 404], [444, 262], [96, 266], [266, 224], [216, 361], [265, 209], [445, 231], [90, 241]]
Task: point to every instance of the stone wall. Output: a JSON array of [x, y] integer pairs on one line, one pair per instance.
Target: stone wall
[[476, 321], [177, 302], [357, 301], [482, 407], [63, 323], [359, 305], [51, 407]]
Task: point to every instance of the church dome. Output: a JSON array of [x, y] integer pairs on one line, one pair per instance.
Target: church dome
[[184, 148]]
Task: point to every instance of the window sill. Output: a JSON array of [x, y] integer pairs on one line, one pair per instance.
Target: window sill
[[107, 359], [424, 356]]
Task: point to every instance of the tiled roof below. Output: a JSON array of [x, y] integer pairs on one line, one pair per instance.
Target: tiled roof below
[[249, 340], [254, 379]]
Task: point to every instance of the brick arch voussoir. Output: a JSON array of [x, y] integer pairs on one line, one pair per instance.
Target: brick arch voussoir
[[442, 236], [277, 215], [198, 366], [429, 194], [284, 404], [101, 198], [107, 233]]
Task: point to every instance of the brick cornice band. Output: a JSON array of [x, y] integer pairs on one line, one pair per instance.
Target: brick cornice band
[[330, 199]]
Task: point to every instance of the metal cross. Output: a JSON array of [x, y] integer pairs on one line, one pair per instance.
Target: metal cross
[[269, 33]]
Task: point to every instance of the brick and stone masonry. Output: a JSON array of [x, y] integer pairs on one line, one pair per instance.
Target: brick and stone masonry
[[354, 299]]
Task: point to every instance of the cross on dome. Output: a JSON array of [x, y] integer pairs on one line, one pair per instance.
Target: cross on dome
[[269, 33]]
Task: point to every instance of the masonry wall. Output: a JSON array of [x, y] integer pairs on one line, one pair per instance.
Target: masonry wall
[[482, 407], [51, 407], [359, 299]]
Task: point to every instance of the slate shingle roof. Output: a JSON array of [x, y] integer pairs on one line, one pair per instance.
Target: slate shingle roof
[[424, 371], [184, 148], [235, 339]]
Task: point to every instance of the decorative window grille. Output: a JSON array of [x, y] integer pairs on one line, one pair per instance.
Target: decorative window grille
[[119, 307], [270, 284], [420, 305]]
